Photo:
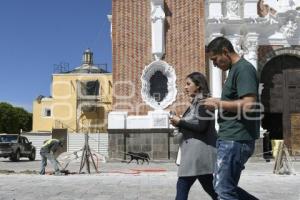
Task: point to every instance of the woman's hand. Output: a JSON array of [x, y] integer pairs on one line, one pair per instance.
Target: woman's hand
[[174, 120]]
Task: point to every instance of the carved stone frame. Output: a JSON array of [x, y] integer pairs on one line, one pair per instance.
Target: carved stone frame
[[167, 71]]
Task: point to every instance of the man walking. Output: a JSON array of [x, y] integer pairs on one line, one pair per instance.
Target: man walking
[[238, 121], [47, 151]]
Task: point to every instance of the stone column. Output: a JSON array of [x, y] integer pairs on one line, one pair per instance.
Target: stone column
[[215, 80], [251, 45], [216, 86], [109, 17], [158, 28], [215, 74]]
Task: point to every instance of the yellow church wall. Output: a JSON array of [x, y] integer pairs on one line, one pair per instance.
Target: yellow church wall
[[65, 100], [42, 123]]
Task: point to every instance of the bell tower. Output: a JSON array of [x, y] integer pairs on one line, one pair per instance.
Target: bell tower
[[155, 44], [153, 36]]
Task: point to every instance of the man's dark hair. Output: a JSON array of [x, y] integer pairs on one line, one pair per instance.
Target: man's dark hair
[[216, 46], [200, 80]]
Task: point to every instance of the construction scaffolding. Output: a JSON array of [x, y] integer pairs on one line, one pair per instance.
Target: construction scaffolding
[[86, 156]]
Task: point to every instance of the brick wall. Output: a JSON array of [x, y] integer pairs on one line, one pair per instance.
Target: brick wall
[[131, 38]]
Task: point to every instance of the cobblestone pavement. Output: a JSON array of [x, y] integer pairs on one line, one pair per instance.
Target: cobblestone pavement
[[117, 180]]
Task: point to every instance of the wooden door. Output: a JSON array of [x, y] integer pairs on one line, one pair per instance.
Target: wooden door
[[61, 133], [291, 109]]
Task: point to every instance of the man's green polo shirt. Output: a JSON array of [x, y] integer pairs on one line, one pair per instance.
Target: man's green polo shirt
[[242, 80]]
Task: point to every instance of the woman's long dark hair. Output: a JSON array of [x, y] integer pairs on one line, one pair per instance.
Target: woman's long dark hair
[[200, 80]]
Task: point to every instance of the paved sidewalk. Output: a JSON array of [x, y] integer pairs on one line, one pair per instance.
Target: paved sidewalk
[[117, 180]]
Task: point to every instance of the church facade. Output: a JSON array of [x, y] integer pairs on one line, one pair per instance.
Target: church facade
[[156, 43], [266, 33]]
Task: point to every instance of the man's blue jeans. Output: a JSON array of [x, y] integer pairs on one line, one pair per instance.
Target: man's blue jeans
[[231, 158], [49, 156]]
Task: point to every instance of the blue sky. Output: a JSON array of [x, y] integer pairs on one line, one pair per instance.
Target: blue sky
[[35, 35]]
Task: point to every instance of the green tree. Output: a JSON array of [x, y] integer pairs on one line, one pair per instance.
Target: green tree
[[12, 119], [24, 119]]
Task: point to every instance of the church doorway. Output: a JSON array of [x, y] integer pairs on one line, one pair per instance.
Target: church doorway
[[281, 99]]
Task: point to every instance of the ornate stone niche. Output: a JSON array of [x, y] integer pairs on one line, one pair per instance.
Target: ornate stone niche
[[289, 28], [159, 85]]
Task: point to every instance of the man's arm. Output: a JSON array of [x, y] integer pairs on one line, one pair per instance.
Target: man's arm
[[245, 104]]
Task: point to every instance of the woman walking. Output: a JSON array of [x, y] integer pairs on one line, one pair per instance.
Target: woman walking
[[198, 140]]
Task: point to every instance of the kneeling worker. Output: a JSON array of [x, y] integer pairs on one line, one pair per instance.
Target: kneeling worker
[[47, 151]]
